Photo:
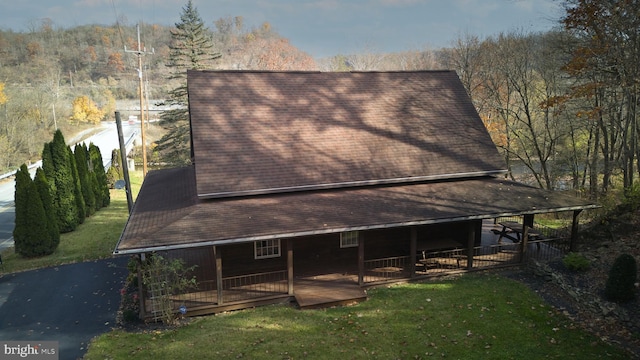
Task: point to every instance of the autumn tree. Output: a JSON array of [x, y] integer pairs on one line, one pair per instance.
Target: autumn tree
[[115, 63], [3, 96], [86, 111], [514, 88], [605, 63], [279, 55], [191, 48]]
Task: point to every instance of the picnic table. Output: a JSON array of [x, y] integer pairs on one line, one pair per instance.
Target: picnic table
[[435, 246], [512, 230]]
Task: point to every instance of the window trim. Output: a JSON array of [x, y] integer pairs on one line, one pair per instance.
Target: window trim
[[270, 244], [349, 239]]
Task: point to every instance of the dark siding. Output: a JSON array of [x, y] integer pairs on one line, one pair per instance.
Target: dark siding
[[239, 260], [317, 253]]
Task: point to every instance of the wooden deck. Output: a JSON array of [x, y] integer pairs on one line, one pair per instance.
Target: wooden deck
[[327, 290], [326, 284]]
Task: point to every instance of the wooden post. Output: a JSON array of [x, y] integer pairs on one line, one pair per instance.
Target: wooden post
[[124, 165], [526, 222], [290, 265], [471, 241], [574, 231], [413, 250], [360, 258], [218, 256]]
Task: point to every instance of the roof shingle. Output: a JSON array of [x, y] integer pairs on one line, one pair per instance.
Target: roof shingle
[[158, 222], [266, 132], [372, 150]]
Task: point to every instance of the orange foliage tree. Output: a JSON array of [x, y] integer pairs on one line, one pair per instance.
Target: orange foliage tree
[[86, 111], [277, 54], [115, 62]]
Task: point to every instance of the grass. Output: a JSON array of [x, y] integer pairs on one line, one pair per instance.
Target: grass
[[476, 316], [94, 239]]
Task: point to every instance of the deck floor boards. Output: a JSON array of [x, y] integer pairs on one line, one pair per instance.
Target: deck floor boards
[[327, 290]]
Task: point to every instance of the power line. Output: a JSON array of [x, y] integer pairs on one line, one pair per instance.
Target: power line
[[115, 14], [141, 52]]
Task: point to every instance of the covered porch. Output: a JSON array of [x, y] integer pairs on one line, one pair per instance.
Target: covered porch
[[322, 284], [402, 229]]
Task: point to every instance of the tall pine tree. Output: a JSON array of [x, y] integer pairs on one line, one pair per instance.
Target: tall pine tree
[[62, 177], [81, 154], [77, 188], [49, 171], [191, 48], [101, 185]]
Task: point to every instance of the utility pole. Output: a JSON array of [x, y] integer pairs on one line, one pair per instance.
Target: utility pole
[[140, 52]]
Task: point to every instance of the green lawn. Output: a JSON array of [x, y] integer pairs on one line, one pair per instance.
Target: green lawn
[[94, 239], [476, 316]]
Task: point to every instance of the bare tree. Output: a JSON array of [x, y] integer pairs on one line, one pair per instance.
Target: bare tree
[[606, 63]]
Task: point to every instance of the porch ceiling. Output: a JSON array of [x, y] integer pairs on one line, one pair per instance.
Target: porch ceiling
[[168, 213]]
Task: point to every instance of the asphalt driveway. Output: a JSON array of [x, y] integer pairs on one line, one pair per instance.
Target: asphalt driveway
[[70, 304]]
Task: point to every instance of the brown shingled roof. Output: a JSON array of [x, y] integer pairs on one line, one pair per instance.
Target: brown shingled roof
[[372, 150], [168, 214], [266, 132]]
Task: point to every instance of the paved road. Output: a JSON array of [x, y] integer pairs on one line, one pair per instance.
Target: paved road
[[7, 217], [70, 304]]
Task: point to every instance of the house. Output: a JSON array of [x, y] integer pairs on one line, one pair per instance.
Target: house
[[307, 182]]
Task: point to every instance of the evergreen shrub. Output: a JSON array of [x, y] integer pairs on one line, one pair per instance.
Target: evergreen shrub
[[576, 262], [620, 286]]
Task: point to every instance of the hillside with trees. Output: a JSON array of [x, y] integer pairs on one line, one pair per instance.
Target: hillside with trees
[[561, 105], [54, 78]]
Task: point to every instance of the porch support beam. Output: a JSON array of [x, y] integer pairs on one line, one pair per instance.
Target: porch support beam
[[361, 258], [290, 266], [413, 250], [527, 222], [471, 240], [574, 231], [218, 257]]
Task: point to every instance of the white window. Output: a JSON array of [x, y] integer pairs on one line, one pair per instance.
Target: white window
[[266, 249], [349, 239]]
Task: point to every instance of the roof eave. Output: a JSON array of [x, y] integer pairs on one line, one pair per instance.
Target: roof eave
[[344, 229]]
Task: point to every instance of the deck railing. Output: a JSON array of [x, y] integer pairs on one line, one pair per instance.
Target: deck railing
[[234, 289], [252, 286], [386, 268], [437, 263], [547, 244]]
